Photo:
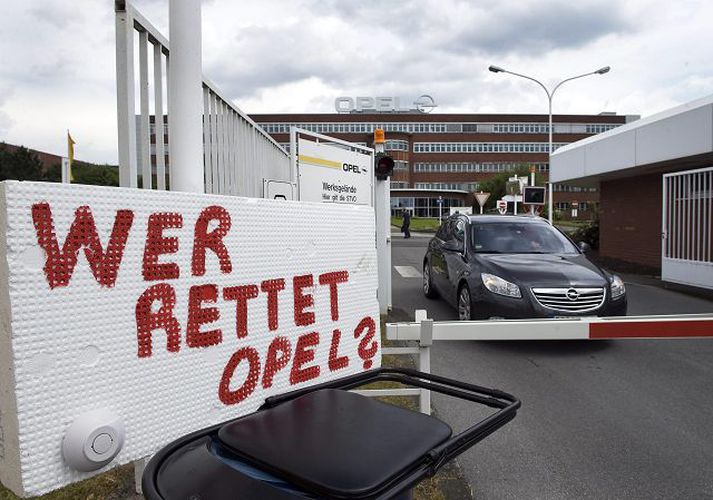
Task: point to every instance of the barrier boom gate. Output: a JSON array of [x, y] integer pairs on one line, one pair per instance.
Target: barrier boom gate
[[425, 331], [592, 328]]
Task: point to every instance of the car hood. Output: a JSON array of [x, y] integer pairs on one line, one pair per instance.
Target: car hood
[[544, 269]]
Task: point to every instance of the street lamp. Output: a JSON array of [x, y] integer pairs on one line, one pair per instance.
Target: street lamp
[[550, 94]]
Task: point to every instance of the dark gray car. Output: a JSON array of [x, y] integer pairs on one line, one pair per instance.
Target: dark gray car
[[516, 267]]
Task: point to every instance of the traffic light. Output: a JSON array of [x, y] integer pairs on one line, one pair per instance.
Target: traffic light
[[383, 166]]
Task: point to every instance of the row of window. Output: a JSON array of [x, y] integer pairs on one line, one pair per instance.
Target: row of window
[[462, 186], [484, 147], [564, 188], [423, 207], [521, 128], [399, 185], [457, 167], [583, 206], [286, 145], [436, 128]]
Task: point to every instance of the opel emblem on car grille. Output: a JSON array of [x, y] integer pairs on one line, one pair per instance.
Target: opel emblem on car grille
[[572, 294]]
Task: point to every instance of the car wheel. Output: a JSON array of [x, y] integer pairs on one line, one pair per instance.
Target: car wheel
[[428, 289], [465, 304]]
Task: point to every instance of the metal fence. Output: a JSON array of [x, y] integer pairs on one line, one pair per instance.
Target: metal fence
[[237, 153], [687, 244]]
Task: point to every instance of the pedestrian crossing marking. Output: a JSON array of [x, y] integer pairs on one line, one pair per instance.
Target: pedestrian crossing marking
[[407, 271]]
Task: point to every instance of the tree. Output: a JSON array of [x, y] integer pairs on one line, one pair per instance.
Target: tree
[[20, 164], [97, 175], [496, 184]]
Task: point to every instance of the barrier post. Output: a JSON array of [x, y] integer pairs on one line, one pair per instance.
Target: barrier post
[[424, 357]]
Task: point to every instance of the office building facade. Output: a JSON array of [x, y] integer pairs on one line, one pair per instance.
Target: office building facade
[[448, 156]]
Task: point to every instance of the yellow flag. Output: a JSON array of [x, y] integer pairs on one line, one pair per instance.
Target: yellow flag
[[70, 154]]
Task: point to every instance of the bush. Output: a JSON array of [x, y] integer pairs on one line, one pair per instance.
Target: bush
[[588, 232]]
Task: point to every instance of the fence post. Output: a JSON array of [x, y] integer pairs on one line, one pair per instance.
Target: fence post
[[185, 97], [125, 98], [424, 356]]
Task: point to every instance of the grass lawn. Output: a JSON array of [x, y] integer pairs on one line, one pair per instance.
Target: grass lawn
[[419, 224]]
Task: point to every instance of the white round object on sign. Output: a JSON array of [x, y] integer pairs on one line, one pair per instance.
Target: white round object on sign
[[93, 440]]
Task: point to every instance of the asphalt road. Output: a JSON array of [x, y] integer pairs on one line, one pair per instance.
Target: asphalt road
[[600, 419]]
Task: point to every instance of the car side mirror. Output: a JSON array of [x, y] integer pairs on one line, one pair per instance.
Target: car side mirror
[[453, 246], [584, 246]]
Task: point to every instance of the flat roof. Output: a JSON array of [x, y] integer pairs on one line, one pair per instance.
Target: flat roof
[[436, 117], [680, 137]]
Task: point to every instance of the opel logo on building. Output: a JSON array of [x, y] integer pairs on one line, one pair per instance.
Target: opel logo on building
[[425, 103], [572, 294]]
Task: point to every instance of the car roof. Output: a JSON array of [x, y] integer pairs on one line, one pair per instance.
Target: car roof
[[505, 218]]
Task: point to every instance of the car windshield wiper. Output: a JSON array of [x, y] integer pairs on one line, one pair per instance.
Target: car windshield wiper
[[490, 251]]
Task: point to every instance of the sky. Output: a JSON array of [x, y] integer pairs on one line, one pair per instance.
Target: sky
[[57, 69]]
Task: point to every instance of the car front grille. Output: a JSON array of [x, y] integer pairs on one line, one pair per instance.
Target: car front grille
[[572, 299]]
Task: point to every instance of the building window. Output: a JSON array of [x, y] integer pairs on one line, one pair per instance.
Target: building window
[[400, 166], [598, 128], [399, 185], [396, 145]]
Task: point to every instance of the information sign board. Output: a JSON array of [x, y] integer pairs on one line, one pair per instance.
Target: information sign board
[[330, 174]]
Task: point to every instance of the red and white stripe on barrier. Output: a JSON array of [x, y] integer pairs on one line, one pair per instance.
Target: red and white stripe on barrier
[[628, 327]]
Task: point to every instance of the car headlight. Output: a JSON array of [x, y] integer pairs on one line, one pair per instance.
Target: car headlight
[[617, 287], [498, 285]]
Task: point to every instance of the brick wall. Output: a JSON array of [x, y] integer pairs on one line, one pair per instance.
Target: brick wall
[[630, 220]]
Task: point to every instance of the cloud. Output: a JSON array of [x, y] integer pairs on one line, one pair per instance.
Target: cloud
[[295, 56], [536, 28]]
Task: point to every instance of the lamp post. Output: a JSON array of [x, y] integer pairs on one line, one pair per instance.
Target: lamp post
[[550, 94]]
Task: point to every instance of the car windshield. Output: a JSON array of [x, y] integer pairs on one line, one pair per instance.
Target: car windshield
[[519, 237]]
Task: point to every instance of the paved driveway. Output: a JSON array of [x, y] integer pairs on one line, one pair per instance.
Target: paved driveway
[[600, 419]]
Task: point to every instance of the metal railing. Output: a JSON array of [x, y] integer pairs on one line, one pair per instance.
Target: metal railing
[[237, 153]]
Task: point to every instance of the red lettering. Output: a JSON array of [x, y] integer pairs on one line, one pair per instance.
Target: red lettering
[[272, 287], [302, 301], [368, 346], [158, 244], [213, 240], [304, 353], [147, 321], [278, 355], [59, 266], [336, 362], [199, 315], [332, 279], [229, 397], [241, 295]]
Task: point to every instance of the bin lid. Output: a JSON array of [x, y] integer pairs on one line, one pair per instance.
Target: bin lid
[[192, 471], [335, 443]]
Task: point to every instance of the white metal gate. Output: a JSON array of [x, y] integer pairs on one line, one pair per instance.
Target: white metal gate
[[687, 231]]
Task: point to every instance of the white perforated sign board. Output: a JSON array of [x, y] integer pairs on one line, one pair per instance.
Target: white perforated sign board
[[173, 311]]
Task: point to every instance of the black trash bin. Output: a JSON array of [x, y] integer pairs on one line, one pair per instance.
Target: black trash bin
[[323, 442]]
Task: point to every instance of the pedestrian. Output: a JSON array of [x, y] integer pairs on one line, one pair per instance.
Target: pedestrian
[[406, 224]]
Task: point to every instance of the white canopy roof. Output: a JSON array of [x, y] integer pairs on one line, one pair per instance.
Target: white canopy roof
[[654, 142]]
